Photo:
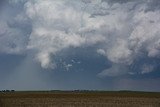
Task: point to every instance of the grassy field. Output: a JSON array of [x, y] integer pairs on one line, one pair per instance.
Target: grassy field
[[79, 99]]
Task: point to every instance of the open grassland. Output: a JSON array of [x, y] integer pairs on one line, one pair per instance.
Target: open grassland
[[79, 99]]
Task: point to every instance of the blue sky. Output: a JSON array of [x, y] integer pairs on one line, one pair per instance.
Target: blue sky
[[80, 44]]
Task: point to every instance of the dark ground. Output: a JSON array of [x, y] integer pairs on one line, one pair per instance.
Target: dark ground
[[79, 99]]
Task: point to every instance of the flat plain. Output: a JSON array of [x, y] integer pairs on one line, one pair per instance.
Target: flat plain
[[79, 99]]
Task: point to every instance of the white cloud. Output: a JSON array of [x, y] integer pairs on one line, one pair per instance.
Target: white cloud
[[101, 51], [146, 68], [140, 35], [57, 26], [122, 29], [120, 53], [124, 32], [67, 66]]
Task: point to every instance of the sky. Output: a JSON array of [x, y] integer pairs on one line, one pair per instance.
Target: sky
[[80, 44]]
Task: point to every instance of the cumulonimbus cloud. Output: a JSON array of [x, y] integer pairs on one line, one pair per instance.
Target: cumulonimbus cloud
[[124, 30], [56, 26]]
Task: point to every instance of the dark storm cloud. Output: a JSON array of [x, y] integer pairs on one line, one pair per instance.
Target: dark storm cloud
[[121, 37], [153, 5], [118, 1], [117, 27], [15, 28], [2, 2]]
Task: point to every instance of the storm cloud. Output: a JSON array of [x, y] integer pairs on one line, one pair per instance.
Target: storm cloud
[[124, 32]]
